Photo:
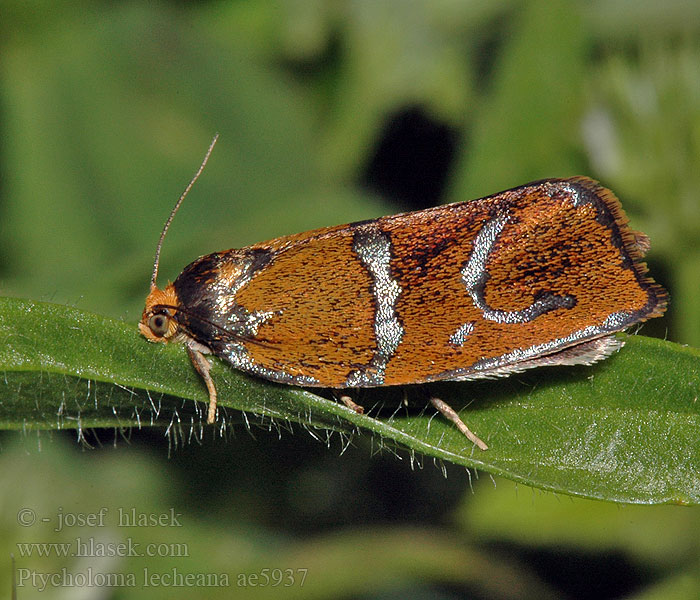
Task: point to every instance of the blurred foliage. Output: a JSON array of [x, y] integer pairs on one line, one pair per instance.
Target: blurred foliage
[[106, 109]]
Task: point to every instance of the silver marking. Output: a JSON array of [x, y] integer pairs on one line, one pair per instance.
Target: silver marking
[[617, 321], [459, 337], [238, 356], [362, 378], [474, 273], [373, 247], [244, 324], [577, 198], [543, 354], [523, 354], [584, 346], [253, 320], [238, 319], [475, 276]]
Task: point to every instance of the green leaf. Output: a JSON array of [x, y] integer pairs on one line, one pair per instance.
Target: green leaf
[[625, 430]]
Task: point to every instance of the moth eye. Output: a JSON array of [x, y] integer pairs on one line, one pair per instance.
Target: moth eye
[[158, 324]]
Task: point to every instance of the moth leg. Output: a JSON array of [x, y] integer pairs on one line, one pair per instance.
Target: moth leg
[[203, 366], [448, 412], [347, 400]]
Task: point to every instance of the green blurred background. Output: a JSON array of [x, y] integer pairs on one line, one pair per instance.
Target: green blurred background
[[328, 112]]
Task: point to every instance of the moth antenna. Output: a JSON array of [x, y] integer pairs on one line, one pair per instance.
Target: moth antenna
[[176, 207]]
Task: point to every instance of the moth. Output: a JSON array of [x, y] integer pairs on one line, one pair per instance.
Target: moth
[[542, 274]]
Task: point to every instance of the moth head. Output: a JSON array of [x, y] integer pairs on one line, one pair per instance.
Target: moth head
[[158, 323]]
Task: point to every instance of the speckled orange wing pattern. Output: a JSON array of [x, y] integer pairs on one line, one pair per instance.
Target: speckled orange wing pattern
[[540, 274]]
